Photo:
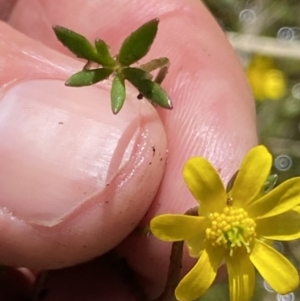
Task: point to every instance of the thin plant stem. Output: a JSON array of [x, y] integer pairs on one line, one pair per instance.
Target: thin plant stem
[[175, 266], [173, 272]]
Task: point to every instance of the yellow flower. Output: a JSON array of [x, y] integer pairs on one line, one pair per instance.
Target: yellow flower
[[235, 228], [266, 81]]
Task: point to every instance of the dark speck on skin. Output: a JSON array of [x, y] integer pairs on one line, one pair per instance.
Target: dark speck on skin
[[107, 184], [150, 163], [153, 150], [60, 122]]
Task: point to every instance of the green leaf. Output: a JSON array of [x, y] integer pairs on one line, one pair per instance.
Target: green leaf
[[77, 43], [135, 75], [270, 183], [104, 54], [138, 43], [117, 94], [162, 64], [231, 182], [88, 77], [154, 92], [155, 64], [149, 89]]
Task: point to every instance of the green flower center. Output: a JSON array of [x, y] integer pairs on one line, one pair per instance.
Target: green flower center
[[231, 229]]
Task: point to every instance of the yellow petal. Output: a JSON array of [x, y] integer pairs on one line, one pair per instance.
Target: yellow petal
[[251, 176], [279, 200], [200, 277], [205, 185], [297, 209], [241, 275], [285, 226], [176, 227], [196, 244], [280, 274]]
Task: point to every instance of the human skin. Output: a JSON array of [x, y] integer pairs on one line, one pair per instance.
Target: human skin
[[62, 146]]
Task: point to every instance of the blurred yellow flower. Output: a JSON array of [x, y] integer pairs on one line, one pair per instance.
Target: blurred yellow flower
[[266, 81], [235, 227]]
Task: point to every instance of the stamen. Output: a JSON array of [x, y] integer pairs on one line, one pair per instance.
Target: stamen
[[231, 229]]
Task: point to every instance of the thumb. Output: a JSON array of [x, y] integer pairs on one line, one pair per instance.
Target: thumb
[[71, 170]]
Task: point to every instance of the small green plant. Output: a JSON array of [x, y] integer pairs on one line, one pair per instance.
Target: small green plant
[[101, 64]]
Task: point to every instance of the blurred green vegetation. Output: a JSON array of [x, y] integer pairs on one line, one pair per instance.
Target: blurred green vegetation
[[272, 63]]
